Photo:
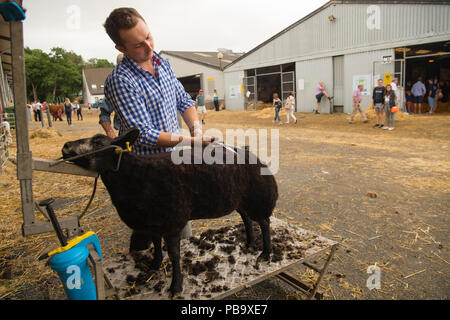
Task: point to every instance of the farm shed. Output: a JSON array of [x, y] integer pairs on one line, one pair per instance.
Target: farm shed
[[94, 83], [201, 70], [344, 43]]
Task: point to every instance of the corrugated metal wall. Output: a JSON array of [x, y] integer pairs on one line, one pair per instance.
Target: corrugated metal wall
[[362, 64], [234, 80], [311, 72], [317, 36]]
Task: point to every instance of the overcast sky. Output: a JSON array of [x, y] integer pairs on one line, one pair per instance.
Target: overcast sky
[[183, 25]]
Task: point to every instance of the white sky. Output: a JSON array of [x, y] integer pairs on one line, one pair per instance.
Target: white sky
[[183, 25]]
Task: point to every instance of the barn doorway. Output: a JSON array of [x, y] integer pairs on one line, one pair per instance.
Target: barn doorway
[[261, 83], [191, 84], [428, 61]]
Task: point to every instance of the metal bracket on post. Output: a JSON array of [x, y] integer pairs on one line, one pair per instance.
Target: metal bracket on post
[[100, 277]]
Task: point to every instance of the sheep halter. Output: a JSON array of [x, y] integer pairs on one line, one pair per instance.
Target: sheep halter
[[117, 150]]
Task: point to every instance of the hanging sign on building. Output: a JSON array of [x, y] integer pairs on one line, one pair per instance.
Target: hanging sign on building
[[365, 80]]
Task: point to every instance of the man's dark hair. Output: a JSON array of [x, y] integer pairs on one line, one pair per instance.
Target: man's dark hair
[[121, 18]]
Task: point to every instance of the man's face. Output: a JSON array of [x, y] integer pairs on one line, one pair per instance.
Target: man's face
[[137, 42], [380, 83]]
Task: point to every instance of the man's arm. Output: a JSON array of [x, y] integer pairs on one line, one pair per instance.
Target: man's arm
[[190, 118], [108, 129], [105, 119]]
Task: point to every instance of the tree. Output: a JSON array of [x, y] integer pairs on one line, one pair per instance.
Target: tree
[[37, 65], [98, 63], [65, 78], [57, 74]]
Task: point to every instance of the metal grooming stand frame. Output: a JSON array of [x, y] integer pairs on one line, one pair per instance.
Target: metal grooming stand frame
[[26, 163]]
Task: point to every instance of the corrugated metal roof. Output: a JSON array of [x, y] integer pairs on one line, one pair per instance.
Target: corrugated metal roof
[[95, 79], [205, 58], [344, 34]]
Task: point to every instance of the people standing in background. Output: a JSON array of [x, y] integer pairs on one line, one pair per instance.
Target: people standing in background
[[432, 88], [78, 110], [200, 104], [378, 103], [390, 100], [277, 104], [438, 93], [409, 100], [216, 100], [320, 92], [418, 91], [290, 107], [68, 111], [397, 90], [37, 107], [357, 97]]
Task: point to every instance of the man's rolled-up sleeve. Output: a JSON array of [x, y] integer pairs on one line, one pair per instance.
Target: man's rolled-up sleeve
[[129, 104]]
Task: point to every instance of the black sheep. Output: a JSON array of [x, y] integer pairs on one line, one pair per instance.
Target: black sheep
[[156, 198]]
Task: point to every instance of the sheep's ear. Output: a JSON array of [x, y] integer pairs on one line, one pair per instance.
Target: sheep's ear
[[129, 136]]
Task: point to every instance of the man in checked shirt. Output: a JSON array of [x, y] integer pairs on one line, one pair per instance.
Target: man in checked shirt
[[143, 90]]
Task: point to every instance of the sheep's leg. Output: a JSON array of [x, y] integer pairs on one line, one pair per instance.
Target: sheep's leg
[[265, 231], [139, 241], [248, 229], [157, 256], [173, 247]]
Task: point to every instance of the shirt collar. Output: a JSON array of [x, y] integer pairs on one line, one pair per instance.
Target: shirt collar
[[134, 65]]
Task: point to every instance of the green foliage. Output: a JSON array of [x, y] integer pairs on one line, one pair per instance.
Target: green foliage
[[58, 74], [99, 63]]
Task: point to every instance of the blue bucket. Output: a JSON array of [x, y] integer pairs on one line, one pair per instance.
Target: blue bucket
[[73, 270]]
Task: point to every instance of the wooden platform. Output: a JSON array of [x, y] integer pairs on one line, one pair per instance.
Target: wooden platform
[[217, 264]]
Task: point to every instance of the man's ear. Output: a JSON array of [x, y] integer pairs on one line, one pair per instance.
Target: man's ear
[[120, 48], [130, 136]]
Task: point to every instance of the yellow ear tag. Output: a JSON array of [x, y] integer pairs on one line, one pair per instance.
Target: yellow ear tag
[[128, 146]]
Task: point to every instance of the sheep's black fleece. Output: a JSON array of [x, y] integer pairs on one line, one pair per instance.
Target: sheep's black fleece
[[156, 197]]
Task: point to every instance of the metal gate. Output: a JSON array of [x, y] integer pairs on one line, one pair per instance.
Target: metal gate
[[287, 84], [388, 69], [250, 96]]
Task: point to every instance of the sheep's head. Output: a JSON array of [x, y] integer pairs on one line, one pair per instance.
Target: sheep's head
[[100, 161]]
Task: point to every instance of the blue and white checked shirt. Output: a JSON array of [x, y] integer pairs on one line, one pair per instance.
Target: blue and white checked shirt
[[147, 102]]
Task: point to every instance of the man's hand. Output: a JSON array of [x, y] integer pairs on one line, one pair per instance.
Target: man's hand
[[198, 140]]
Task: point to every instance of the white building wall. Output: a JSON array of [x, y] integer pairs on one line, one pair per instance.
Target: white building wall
[[183, 68], [234, 80], [362, 64], [311, 72]]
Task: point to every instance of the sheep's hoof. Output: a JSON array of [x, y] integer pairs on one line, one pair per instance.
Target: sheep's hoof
[[265, 256], [175, 290], [250, 244]]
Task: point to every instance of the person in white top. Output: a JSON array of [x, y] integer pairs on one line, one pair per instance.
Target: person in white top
[[37, 106], [290, 107], [396, 88]]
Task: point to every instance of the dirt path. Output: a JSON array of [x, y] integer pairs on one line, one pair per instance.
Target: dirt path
[[328, 172]]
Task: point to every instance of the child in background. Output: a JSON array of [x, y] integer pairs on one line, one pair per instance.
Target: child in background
[[277, 104]]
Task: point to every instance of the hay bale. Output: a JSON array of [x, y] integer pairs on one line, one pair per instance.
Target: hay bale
[[45, 133]]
